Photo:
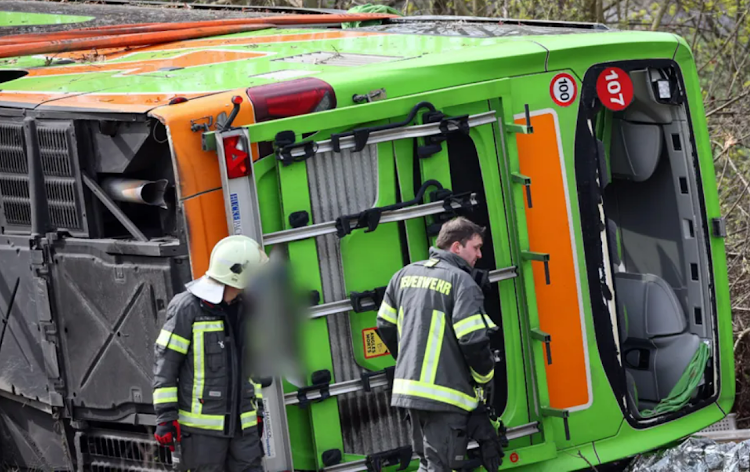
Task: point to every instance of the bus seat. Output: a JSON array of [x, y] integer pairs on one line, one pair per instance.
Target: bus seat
[[635, 150], [653, 309], [657, 348]]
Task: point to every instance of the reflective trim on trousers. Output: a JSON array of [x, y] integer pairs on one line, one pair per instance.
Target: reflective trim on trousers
[[212, 422], [438, 393]]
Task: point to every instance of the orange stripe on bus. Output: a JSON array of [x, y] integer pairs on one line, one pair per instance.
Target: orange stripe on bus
[[549, 228], [272, 38], [116, 53], [185, 60], [124, 103]]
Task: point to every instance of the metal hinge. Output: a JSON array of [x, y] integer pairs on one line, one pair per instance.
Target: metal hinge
[[719, 227]]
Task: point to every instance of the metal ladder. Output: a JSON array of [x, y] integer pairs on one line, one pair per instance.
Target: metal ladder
[[243, 217]]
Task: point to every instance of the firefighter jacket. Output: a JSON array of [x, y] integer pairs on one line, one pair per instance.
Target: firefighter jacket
[[433, 322], [197, 370]]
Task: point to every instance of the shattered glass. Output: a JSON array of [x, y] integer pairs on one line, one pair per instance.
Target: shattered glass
[[696, 455]]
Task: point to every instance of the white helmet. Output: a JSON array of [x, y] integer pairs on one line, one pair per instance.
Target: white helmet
[[234, 259]]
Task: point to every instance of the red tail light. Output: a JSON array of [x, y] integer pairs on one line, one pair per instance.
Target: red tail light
[[237, 157], [292, 98]]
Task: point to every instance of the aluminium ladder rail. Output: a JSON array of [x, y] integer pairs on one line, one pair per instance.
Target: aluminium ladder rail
[[383, 136], [515, 432], [319, 311], [329, 227]]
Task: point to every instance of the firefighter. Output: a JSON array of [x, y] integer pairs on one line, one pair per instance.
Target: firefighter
[[202, 403], [432, 320]]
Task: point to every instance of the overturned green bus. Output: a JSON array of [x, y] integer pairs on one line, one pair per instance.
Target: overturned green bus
[[583, 150]]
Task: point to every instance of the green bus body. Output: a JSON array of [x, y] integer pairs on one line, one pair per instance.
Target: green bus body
[[510, 70]]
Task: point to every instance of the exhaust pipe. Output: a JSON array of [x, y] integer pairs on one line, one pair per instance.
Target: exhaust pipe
[[146, 192]]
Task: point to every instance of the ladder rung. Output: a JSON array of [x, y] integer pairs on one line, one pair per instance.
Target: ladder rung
[[340, 306], [329, 227], [408, 132], [341, 388], [512, 433]]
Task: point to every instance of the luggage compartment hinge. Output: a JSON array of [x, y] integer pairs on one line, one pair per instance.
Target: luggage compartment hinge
[[49, 338], [719, 227]]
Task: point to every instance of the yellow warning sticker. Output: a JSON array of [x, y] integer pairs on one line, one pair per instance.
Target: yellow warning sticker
[[374, 346]]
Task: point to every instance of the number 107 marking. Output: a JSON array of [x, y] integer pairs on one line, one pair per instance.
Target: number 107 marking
[[614, 88]]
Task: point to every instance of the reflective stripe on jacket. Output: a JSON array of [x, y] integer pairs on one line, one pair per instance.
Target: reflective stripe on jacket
[[196, 371], [433, 322]]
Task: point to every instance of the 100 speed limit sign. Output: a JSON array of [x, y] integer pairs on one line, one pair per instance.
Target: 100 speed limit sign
[[563, 89]]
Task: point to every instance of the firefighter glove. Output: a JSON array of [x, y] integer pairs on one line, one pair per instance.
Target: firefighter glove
[[167, 434], [481, 429]]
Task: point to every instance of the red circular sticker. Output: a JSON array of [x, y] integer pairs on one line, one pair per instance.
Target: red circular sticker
[[614, 88], [563, 89], [514, 457]]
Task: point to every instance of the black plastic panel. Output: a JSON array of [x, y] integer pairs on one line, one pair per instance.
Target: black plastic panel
[[28, 440], [22, 370], [109, 315]]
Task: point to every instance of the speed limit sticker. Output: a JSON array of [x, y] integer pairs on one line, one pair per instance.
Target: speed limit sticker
[[563, 89]]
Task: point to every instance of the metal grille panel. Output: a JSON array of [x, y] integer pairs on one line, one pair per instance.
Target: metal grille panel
[[61, 199], [53, 147], [12, 155], [17, 211], [347, 183], [116, 452], [14, 186], [60, 181], [58, 157], [14, 181]]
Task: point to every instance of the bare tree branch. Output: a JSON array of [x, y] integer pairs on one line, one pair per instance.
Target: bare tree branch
[[730, 102]]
